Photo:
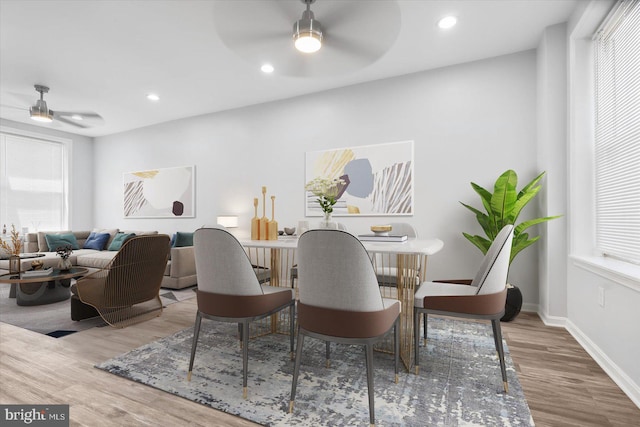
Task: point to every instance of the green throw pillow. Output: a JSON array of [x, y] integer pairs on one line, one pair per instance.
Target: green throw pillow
[[183, 239], [119, 240], [54, 241]]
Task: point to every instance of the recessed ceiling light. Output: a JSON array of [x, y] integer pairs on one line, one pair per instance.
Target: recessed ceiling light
[[76, 117], [447, 22], [267, 68], [153, 97]]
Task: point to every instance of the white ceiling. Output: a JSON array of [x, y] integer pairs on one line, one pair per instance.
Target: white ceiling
[[105, 56]]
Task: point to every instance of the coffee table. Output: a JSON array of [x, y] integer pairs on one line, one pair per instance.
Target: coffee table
[[43, 289]]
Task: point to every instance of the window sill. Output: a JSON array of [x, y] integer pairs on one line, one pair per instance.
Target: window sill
[[620, 272]]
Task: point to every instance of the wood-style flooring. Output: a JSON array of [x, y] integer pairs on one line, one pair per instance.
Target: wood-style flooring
[[563, 385]]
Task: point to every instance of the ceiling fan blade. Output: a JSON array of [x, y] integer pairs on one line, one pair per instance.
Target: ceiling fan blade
[[15, 107], [70, 122], [88, 118], [22, 99], [354, 50], [257, 41], [256, 29], [337, 14], [83, 114]]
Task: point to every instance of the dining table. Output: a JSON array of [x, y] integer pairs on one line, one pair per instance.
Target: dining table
[[400, 267]]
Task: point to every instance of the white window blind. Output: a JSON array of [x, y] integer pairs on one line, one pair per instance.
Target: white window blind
[[32, 183], [617, 150]]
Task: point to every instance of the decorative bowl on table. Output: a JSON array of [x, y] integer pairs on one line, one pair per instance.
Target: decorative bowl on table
[[381, 230]]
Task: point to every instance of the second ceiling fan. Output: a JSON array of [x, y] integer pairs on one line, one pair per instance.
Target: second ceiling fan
[[40, 112]]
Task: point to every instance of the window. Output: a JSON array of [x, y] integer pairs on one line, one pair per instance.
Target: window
[[617, 150], [33, 182]]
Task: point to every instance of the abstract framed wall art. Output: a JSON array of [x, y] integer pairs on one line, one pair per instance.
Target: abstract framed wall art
[[378, 179], [160, 193]]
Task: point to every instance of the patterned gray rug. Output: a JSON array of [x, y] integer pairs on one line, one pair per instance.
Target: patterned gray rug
[[459, 382]]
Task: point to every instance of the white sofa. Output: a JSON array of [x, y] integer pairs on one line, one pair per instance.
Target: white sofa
[[180, 271]]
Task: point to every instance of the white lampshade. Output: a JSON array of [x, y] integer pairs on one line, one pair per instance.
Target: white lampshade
[[228, 221]]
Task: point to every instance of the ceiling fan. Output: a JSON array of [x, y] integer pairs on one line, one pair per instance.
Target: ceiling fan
[[347, 34], [40, 112]]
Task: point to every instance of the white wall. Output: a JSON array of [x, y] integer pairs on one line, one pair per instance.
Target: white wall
[[469, 122], [552, 158], [607, 328], [80, 177]]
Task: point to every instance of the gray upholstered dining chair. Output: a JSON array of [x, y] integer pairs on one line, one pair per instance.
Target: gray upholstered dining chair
[[340, 300], [294, 270], [229, 291], [483, 297]]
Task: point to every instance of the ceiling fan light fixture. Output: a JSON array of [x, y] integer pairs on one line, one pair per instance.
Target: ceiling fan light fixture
[[40, 112], [307, 32]]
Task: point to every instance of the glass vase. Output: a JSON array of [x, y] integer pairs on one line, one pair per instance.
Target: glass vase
[[14, 264], [327, 222], [64, 264]]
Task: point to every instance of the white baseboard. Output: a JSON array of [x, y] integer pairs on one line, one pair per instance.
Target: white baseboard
[[628, 386], [556, 321]]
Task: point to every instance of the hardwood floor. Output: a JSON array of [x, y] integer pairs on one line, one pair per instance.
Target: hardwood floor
[[563, 385]]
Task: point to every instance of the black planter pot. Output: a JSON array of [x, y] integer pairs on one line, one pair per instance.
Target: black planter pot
[[513, 305]]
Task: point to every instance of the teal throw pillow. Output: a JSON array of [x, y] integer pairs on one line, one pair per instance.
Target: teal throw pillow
[[96, 241], [54, 241], [183, 239], [119, 240]]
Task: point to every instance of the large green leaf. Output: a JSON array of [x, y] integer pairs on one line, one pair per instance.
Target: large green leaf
[[523, 199], [487, 225], [526, 224], [480, 242], [485, 196], [504, 197], [482, 218], [519, 243], [472, 209], [533, 182]]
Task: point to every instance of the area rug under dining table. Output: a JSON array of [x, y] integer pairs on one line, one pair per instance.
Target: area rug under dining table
[[459, 381]]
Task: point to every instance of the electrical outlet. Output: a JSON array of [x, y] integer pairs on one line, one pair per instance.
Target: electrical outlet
[[601, 296]]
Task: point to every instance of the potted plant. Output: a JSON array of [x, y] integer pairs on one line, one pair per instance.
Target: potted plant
[[12, 250], [503, 207]]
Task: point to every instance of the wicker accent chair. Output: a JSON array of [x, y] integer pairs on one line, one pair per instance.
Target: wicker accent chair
[[229, 291], [483, 297], [340, 300], [127, 291]]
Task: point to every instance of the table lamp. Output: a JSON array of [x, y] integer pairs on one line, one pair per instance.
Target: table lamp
[[228, 221]]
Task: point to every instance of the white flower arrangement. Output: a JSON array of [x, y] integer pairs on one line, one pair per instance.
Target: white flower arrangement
[[327, 190]]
